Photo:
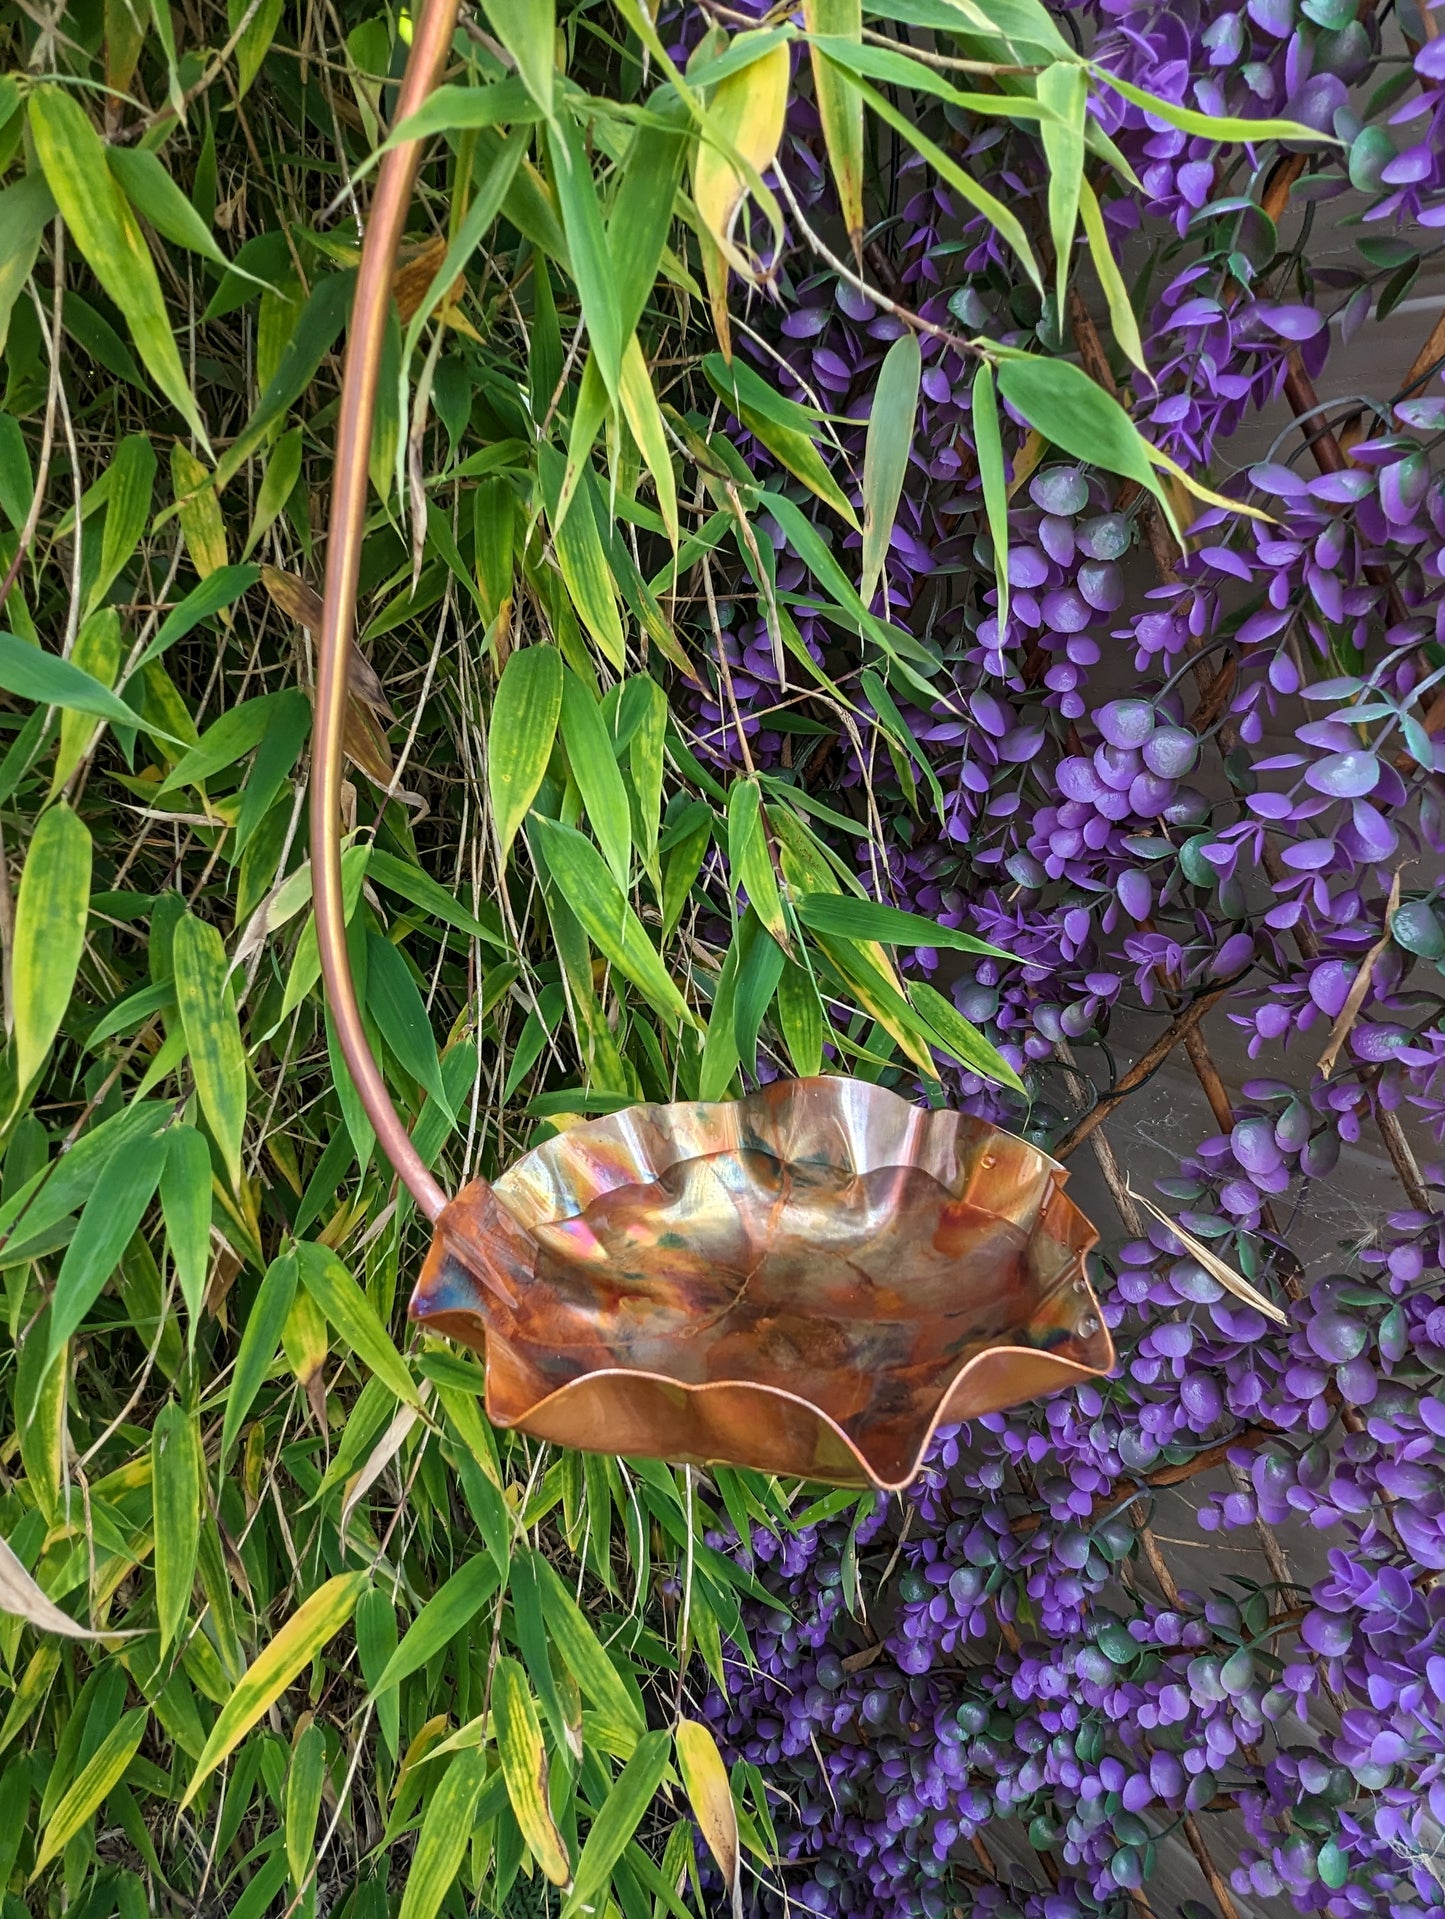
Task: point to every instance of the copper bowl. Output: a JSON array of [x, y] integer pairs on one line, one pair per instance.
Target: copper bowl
[[809, 1281]]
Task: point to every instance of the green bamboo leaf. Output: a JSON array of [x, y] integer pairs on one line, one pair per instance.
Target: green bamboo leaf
[[591, 257], [308, 342], [411, 883], [720, 1048], [176, 1473], [305, 1779], [312, 1626], [609, 921], [598, 776], [213, 1035], [396, 1004], [785, 428], [581, 1652], [449, 1611], [524, 1767], [51, 681], [73, 159], [530, 1631], [122, 1193], [128, 505], [220, 589], [461, 110], [101, 1773], [760, 967], [1211, 126], [870, 920], [256, 37], [446, 1831], [520, 734], [988, 445], [278, 483], [1121, 308], [686, 845], [645, 757], [583, 559], [840, 107], [885, 454], [960, 1039], [528, 30], [1078, 416], [17, 481], [262, 1335], [1006, 224], [494, 532], [186, 1209], [749, 861], [644, 420], [26, 209], [642, 206], [355, 1318], [618, 1818], [237, 733], [1063, 89], [50, 917], [155, 197]]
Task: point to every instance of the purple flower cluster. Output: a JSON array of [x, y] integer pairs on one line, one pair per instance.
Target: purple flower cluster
[[1229, 777]]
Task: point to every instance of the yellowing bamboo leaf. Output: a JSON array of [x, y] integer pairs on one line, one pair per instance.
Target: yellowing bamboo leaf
[[50, 916], [312, 1626], [524, 1767], [520, 734], [96, 1778], [176, 1471], [72, 158], [1121, 308], [199, 511], [644, 420], [355, 1318], [708, 1788], [840, 108], [213, 1035], [97, 652], [446, 1831], [745, 114]]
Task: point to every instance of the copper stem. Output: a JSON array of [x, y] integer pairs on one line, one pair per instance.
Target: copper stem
[[431, 40]]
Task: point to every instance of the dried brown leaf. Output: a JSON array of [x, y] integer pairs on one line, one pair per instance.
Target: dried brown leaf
[[1359, 986], [1231, 1281]]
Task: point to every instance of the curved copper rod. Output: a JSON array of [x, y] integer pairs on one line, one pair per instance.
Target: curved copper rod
[[431, 40]]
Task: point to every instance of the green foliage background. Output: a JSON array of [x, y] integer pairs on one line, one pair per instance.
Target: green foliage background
[[286, 1624]]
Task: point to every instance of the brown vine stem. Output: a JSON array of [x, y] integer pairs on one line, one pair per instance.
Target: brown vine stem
[[1247, 1438]]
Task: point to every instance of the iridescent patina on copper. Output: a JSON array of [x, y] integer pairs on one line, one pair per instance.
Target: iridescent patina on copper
[[809, 1280]]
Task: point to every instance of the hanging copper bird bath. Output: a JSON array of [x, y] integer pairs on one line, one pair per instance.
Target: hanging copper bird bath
[[809, 1281]]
